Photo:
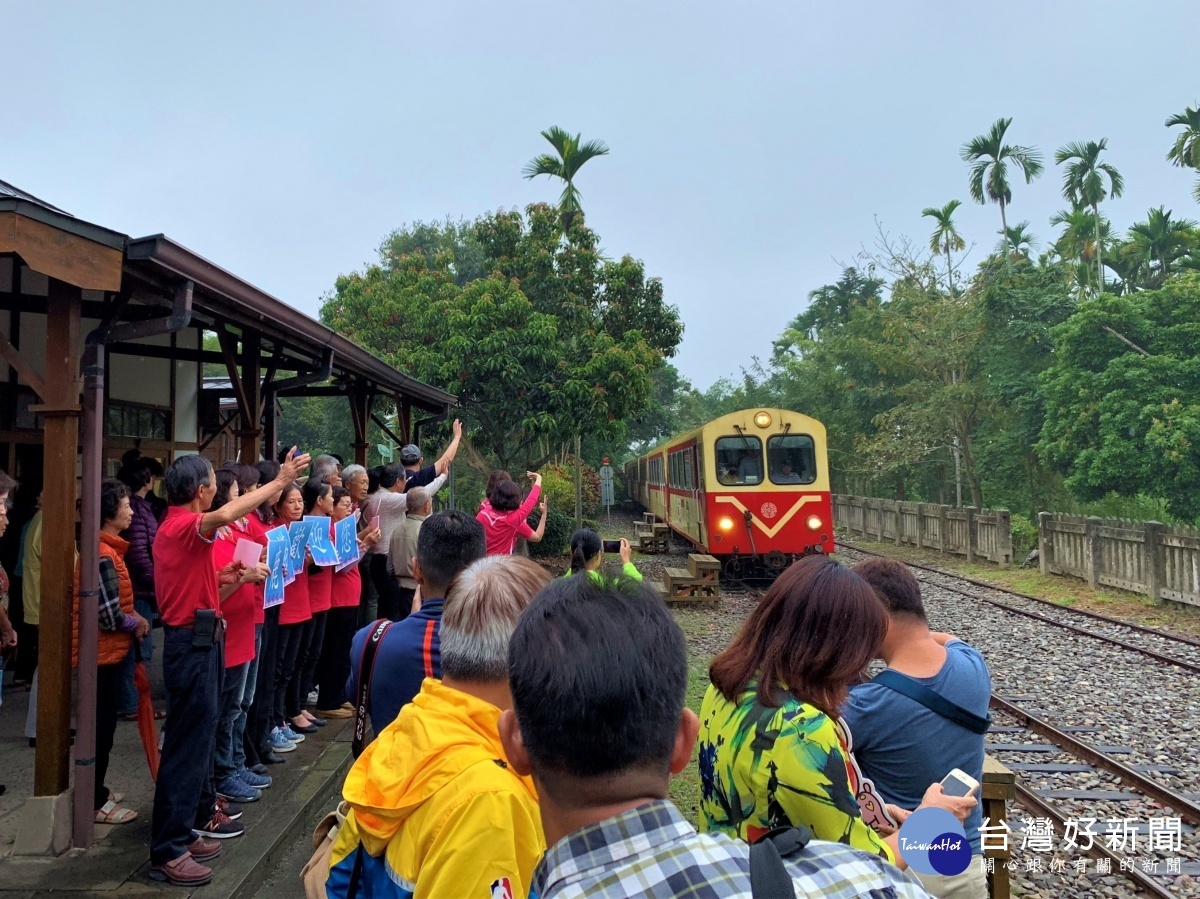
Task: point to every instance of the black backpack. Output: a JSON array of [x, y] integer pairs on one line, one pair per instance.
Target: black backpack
[[769, 877]]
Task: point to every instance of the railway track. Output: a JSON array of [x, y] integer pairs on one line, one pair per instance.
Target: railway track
[[1062, 783], [1170, 649]]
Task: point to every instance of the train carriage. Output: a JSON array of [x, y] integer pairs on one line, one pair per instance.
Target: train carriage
[[750, 488]]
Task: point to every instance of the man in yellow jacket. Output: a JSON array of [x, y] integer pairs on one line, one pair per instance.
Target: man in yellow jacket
[[435, 810]]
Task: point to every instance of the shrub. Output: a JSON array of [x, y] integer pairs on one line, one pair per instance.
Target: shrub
[[557, 537], [1024, 535], [558, 488]]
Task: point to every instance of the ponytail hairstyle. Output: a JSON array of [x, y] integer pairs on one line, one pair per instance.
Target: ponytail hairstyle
[[585, 546]]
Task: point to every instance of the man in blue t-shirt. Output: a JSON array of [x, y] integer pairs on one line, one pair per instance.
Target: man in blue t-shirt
[[410, 651], [901, 745]]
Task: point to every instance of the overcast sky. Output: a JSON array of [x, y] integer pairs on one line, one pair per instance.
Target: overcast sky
[[752, 143]]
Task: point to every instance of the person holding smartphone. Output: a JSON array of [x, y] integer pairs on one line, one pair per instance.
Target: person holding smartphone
[[901, 743], [587, 554]]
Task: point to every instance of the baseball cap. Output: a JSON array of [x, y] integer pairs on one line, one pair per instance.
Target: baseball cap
[[410, 453]]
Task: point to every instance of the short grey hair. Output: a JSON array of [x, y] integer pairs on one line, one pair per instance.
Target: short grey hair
[[323, 467], [350, 471], [419, 498], [483, 604]]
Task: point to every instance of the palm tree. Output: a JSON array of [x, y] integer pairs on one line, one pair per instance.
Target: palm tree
[[1080, 240], [1186, 152], [1020, 239], [572, 154], [1159, 242], [945, 236], [1084, 184], [990, 157]]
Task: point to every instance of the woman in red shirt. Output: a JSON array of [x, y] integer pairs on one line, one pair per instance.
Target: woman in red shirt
[[318, 500], [294, 616], [505, 521], [238, 611], [333, 669]]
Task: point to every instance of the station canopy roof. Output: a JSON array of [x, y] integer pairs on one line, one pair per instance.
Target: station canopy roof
[[154, 267]]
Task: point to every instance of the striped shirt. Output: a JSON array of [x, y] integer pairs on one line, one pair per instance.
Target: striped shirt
[[653, 851]]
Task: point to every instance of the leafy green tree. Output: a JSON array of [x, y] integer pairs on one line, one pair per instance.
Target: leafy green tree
[[1086, 182], [1080, 241], [1158, 244], [945, 237], [1018, 242], [990, 158], [554, 340], [572, 152], [467, 260], [1185, 153], [1127, 420]]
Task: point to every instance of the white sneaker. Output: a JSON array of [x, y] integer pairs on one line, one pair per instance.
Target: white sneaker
[[312, 698]]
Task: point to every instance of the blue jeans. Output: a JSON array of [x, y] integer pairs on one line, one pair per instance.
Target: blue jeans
[[129, 695], [239, 724], [231, 710]]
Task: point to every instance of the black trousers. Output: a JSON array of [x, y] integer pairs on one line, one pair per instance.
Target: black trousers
[[287, 651], [108, 696], [27, 652], [333, 668], [387, 588], [183, 793], [312, 655], [368, 609], [261, 719]]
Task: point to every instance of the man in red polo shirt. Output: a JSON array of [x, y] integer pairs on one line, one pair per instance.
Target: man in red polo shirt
[[189, 590]]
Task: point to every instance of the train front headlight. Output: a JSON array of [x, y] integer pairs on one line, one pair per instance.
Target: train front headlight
[[725, 523], [814, 522], [763, 419]]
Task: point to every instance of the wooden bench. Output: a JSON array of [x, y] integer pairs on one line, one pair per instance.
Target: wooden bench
[[704, 568], [999, 786]]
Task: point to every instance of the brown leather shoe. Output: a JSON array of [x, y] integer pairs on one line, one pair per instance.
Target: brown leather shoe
[[184, 871], [203, 850], [333, 713], [348, 706]]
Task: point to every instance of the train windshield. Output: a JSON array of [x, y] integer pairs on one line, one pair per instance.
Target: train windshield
[[792, 459], [739, 460]]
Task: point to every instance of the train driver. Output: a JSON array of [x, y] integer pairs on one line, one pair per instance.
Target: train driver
[[785, 474], [748, 468]]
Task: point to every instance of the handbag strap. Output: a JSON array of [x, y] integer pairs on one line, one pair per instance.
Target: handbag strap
[[769, 877], [366, 669], [935, 702]]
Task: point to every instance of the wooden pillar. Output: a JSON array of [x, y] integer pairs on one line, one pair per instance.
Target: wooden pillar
[[1004, 547], [61, 409], [1091, 547], [1045, 545], [971, 511], [404, 419], [250, 435]]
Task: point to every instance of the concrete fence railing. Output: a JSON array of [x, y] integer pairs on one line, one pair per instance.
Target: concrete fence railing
[[1147, 557], [970, 532]]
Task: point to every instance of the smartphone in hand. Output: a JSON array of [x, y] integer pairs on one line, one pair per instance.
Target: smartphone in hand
[[959, 783], [611, 546]]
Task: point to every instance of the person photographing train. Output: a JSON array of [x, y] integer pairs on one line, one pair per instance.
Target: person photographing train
[[587, 553]]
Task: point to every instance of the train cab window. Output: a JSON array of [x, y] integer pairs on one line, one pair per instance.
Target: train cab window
[[792, 459], [739, 460]]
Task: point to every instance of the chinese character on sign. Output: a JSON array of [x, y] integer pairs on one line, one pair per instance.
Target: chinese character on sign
[[1033, 864], [1057, 865], [1174, 865], [1149, 867], [994, 837], [1165, 834], [1076, 829], [1104, 866], [1080, 865], [989, 865], [1038, 835], [1128, 864], [1121, 835]]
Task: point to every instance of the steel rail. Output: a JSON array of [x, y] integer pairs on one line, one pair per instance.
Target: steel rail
[[1038, 616], [1036, 803], [1155, 632], [1187, 809]]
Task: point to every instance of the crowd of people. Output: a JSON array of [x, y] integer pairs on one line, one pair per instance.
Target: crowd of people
[[525, 729]]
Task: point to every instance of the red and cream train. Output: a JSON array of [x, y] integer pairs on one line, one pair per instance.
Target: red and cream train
[[750, 488]]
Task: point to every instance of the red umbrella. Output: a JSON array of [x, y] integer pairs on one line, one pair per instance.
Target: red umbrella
[[145, 717]]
